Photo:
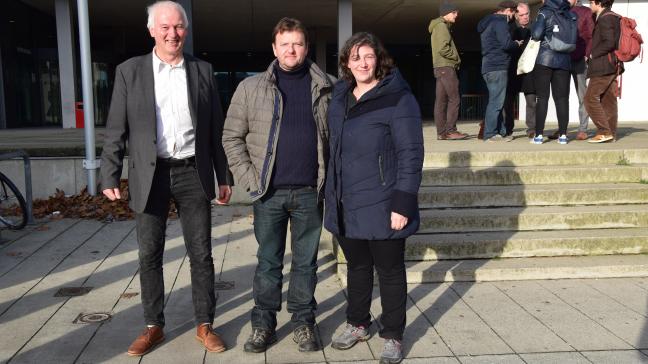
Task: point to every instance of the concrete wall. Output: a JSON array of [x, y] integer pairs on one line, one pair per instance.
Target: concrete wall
[[66, 174], [634, 78]]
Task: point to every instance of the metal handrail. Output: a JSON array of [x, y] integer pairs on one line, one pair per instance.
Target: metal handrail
[[28, 179]]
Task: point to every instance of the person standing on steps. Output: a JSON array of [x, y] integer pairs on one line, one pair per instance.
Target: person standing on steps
[[446, 62]]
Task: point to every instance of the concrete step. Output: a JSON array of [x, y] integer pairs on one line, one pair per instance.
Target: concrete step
[[533, 218], [531, 157], [519, 244], [532, 195], [509, 269], [515, 244], [471, 176]]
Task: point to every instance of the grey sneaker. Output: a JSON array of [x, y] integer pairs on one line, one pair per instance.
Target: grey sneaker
[[349, 337], [508, 138], [392, 353], [304, 336]]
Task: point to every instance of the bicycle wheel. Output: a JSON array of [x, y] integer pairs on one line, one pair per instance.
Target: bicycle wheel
[[13, 209]]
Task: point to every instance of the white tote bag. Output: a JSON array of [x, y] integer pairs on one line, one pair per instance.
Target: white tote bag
[[528, 57]]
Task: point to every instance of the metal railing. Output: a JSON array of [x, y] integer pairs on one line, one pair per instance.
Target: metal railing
[[28, 179]]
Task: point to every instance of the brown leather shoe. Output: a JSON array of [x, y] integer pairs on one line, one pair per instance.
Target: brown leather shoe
[[531, 134], [144, 343], [581, 135], [455, 135], [441, 137], [206, 335]]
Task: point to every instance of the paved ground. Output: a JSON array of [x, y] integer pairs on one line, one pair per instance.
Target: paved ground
[[563, 321]]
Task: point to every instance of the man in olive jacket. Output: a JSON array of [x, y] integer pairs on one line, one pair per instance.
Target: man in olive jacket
[[446, 61], [276, 139]]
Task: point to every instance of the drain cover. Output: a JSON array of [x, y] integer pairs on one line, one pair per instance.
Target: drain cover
[[72, 291], [224, 285], [92, 318]]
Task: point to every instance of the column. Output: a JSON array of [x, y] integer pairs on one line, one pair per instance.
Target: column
[[345, 22], [66, 50], [188, 6]]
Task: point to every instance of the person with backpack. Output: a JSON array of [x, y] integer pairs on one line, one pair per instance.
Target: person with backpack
[[603, 69], [556, 28], [579, 62]]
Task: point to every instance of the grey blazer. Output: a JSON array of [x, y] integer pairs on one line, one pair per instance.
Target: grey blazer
[[131, 119]]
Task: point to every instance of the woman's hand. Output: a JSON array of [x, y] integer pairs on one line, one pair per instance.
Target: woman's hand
[[398, 221]]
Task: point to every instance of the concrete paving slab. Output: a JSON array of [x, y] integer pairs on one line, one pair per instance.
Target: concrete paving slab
[[519, 329], [61, 339], [14, 252], [555, 358], [617, 356], [619, 320], [27, 309], [565, 321], [448, 360], [488, 359], [461, 328], [623, 292]]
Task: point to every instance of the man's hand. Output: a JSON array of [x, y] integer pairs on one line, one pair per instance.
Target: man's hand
[[398, 221], [112, 193], [224, 194]]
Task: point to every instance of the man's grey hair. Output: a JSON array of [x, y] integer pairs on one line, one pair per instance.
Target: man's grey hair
[[524, 4], [153, 8]]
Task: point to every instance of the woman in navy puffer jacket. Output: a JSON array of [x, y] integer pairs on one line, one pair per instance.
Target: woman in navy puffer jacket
[[551, 70], [376, 157]]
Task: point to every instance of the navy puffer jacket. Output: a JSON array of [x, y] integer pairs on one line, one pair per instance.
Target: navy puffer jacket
[[496, 43], [376, 157], [544, 26]]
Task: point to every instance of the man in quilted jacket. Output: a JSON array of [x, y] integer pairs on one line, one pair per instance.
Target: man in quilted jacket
[[276, 138]]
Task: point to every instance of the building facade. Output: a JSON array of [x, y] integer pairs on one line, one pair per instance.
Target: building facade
[[40, 79]]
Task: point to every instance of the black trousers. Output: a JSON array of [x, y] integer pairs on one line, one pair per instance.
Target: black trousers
[[557, 80], [388, 257], [183, 185]]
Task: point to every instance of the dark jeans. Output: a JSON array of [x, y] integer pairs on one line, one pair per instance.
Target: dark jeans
[[558, 80], [388, 257], [271, 216], [183, 185], [530, 115], [446, 102], [601, 103], [493, 120]]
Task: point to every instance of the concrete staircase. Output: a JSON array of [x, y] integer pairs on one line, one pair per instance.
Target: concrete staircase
[[529, 214]]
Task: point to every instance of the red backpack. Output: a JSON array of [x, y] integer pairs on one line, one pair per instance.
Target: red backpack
[[629, 46]]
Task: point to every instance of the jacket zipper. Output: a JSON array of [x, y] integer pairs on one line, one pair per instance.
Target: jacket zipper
[[380, 168]]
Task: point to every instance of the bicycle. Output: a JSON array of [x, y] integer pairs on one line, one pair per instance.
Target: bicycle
[[13, 209]]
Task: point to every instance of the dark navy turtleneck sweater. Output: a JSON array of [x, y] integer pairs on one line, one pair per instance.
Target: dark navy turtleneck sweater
[[296, 156]]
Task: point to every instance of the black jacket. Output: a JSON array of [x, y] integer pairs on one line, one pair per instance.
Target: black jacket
[[376, 161]]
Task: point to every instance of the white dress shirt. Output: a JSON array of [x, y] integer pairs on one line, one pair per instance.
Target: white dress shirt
[[175, 131]]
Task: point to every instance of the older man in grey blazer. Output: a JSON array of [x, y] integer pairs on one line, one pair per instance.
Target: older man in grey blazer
[[165, 105]]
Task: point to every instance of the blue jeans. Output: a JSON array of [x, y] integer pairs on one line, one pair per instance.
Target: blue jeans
[[493, 121], [183, 185], [271, 216]]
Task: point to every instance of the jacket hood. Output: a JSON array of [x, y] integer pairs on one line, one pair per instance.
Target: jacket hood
[[556, 5], [488, 19], [392, 83], [434, 23]]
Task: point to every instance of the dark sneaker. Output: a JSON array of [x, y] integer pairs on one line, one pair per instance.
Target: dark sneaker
[[259, 340], [392, 353], [349, 337], [555, 135], [304, 336]]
